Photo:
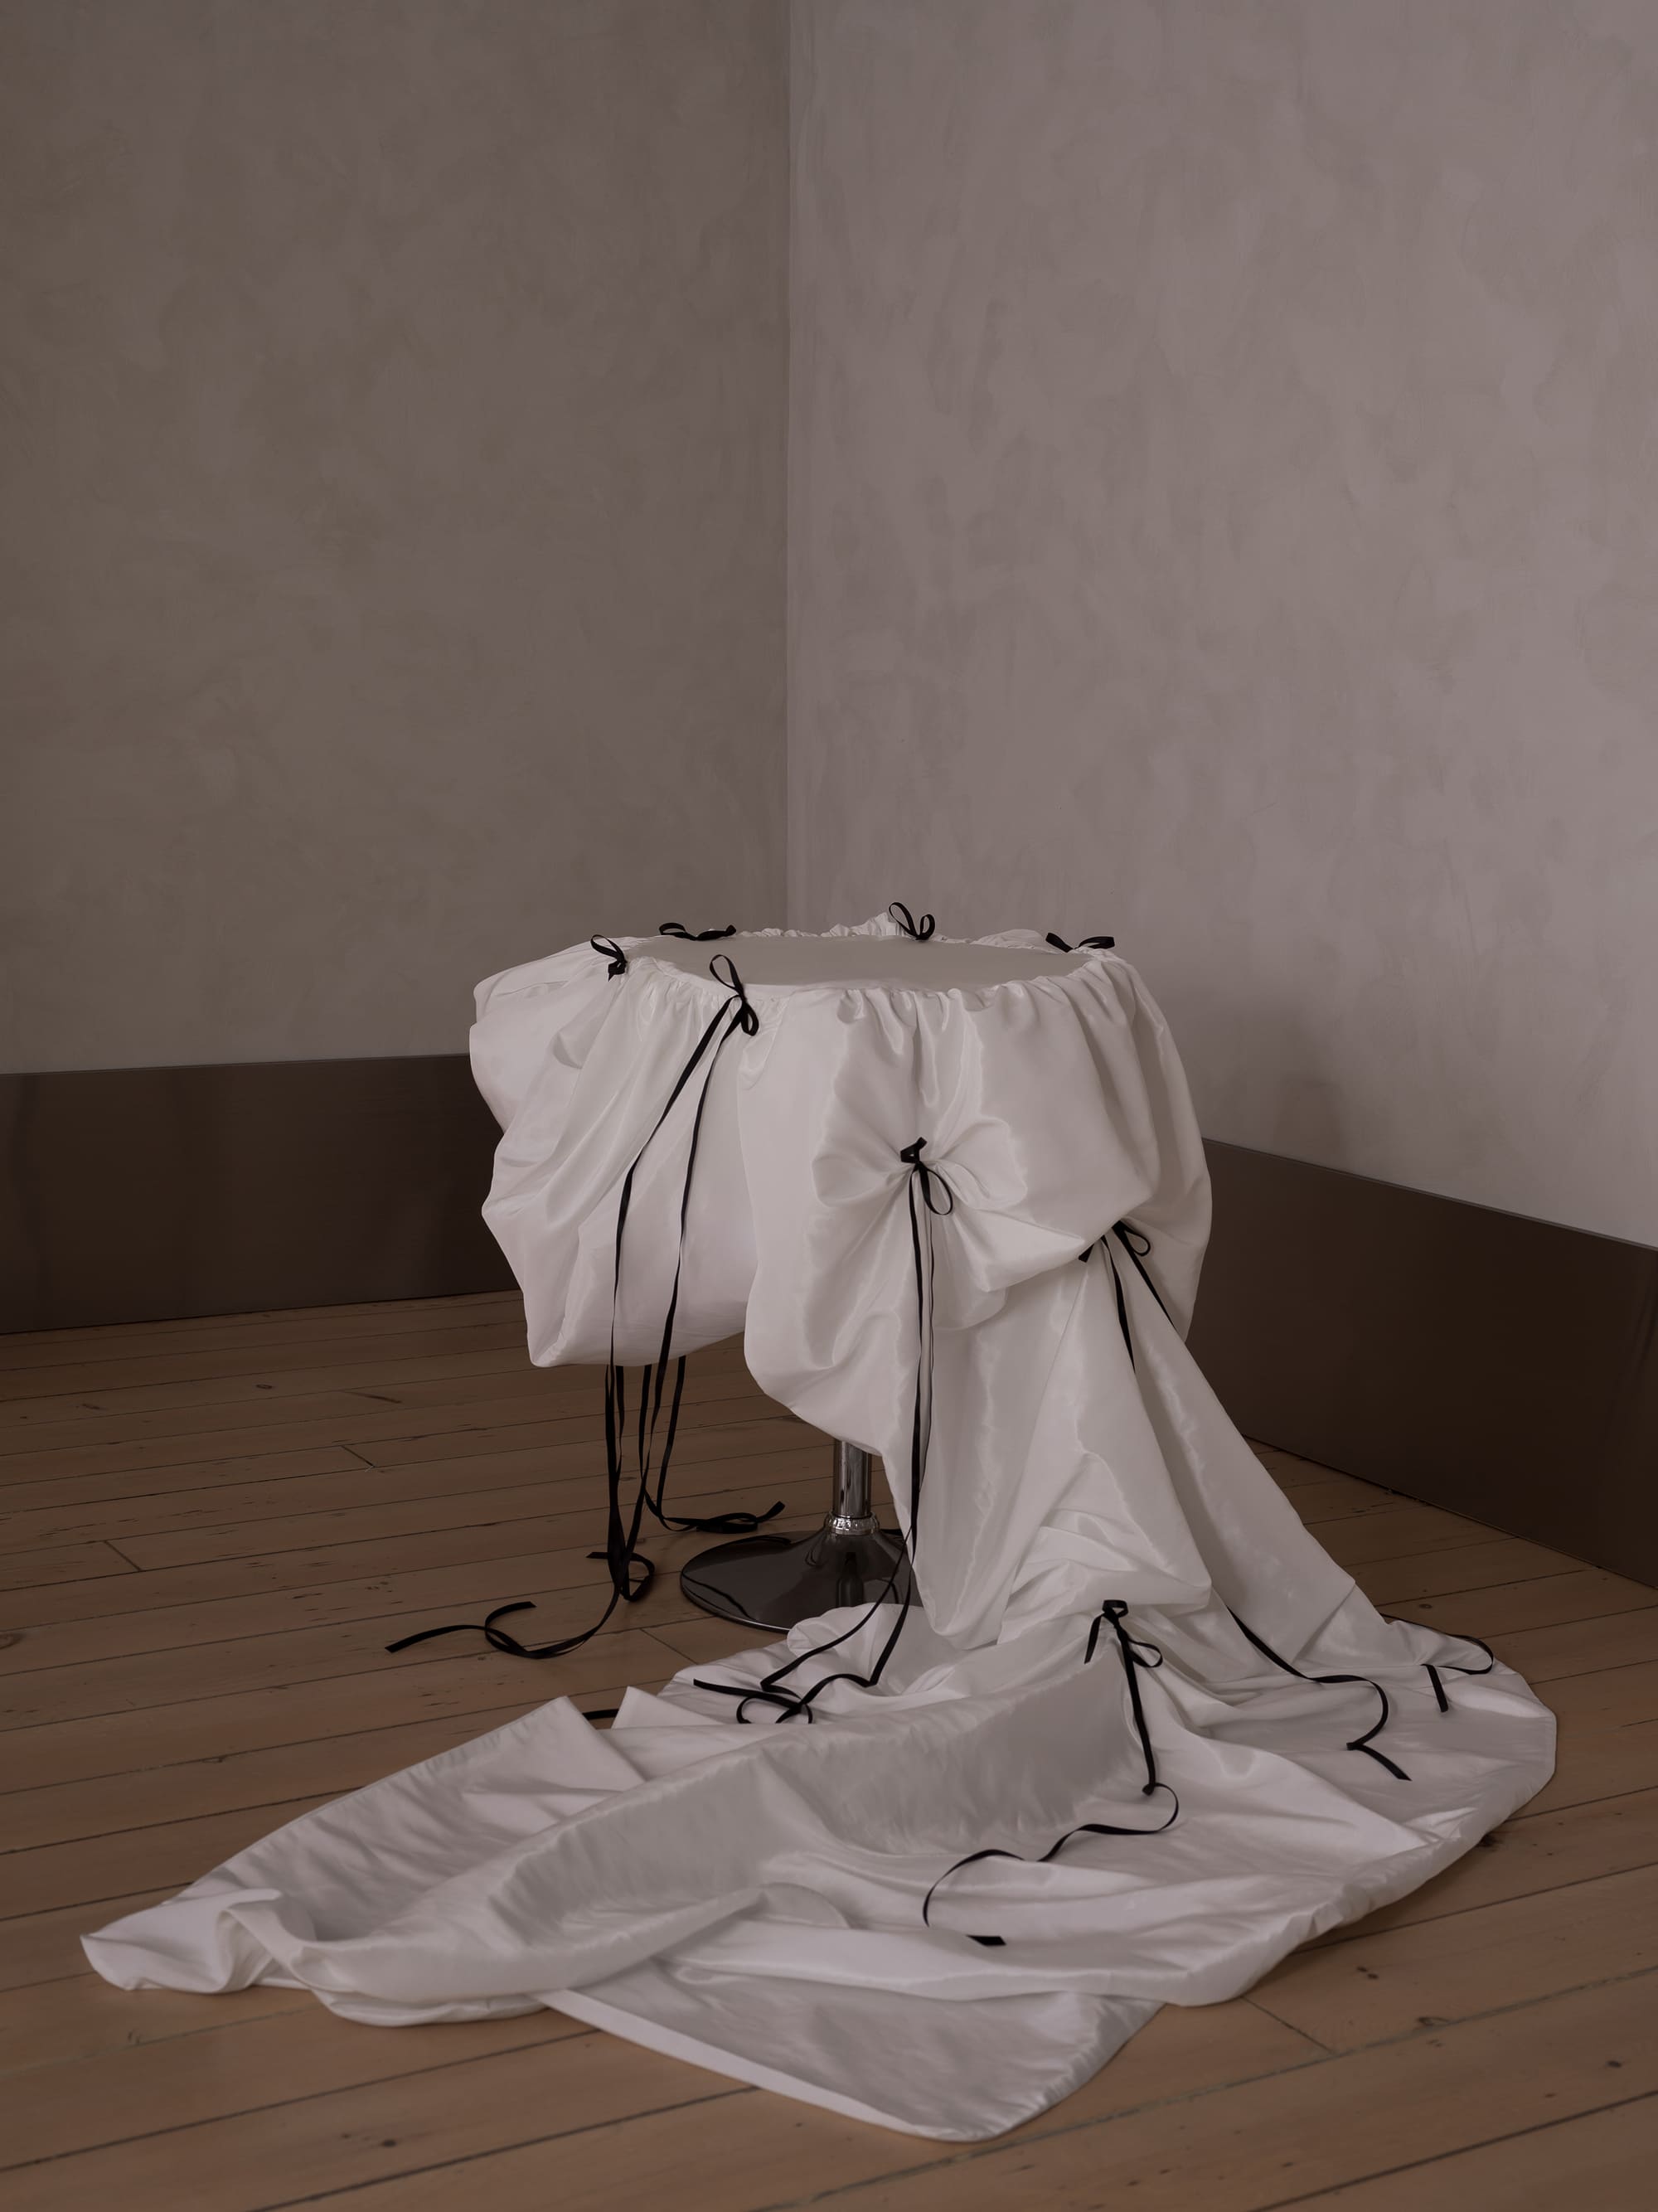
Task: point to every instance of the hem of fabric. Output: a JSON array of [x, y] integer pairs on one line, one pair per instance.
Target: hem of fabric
[[670, 2043]]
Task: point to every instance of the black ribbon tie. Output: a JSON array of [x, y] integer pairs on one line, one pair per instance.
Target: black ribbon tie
[[1138, 1247], [1135, 1654], [908, 926], [927, 1194], [1366, 1742], [1083, 944], [630, 1573]]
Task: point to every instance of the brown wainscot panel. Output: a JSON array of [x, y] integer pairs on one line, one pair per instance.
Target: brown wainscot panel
[[1497, 1366], [145, 1194]]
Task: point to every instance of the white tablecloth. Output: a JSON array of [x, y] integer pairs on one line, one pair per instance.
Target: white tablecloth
[[748, 1891]]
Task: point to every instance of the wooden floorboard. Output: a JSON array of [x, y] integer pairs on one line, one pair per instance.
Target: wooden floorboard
[[208, 1532]]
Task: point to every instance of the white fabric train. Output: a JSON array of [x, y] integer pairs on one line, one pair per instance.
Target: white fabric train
[[749, 1896]]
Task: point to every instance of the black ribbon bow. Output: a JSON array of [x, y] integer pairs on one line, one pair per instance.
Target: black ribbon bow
[[1138, 1245], [696, 936], [1095, 944], [907, 922], [1135, 1654], [610, 950], [744, 1018], [933, 1187]]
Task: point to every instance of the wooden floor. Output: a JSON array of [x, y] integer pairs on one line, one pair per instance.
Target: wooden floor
[[209, 1530]]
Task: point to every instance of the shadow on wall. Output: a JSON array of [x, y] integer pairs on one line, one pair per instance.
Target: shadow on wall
[[1288, 1086]]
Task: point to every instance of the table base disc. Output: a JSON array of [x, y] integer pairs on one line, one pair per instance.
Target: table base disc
[[775, 1582]]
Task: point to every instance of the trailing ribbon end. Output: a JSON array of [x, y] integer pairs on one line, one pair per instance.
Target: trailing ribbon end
[[630, 1573], [1365, 1742], [1134, 1651], [498, 1639], [1436, 1673]]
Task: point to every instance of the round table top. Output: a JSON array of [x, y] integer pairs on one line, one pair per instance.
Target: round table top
[[773, 960]]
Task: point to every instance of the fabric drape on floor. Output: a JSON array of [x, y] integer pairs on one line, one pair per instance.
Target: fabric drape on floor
[[738, 1885]]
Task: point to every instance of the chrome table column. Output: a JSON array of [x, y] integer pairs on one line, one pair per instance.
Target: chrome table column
[[773, 1582]]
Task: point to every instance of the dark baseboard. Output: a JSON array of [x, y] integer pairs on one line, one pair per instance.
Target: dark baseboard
[[1503, 1367], [1499, 1367], [143, 1193]]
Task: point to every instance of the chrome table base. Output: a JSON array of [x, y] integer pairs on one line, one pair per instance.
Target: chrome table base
[[773, 1582]]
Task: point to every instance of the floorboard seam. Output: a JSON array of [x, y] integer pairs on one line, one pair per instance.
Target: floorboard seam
[[285, 2104], [1195, 2096], [1443, 2158]]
